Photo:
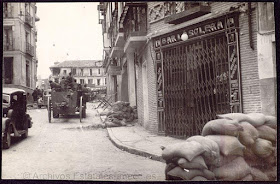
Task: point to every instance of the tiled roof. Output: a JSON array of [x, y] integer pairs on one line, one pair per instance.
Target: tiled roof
[[77, 64]]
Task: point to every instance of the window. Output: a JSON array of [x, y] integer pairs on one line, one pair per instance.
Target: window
[[90, 71], [82, 81], [5, 99], [90, 81], [82, 72], [98, 82], [64, 72], [8, 38], [74, 71], [98, 71], [105, 81]]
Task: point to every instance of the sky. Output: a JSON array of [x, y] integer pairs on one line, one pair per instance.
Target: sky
[[67, 31]]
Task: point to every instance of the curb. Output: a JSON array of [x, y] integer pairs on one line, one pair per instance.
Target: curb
[[132, 150]]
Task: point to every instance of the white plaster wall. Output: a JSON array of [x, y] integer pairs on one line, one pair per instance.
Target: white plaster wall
[[266, 66], [131, 79]]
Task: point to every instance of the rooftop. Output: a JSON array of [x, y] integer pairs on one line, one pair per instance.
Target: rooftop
[[77, 64]]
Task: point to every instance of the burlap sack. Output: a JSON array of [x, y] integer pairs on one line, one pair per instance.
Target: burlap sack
[[258, 175], [199, 178], [212, 150], [235, 116], [271, 121], [187, 150], [258, 119], [262, 148], [197, 163], [268, 133], [232, 171], [221, 127], [228, 145], [178, 172], [249, 177], [249, 134]]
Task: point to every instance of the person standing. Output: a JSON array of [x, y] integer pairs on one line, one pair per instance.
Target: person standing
[[35, 95]]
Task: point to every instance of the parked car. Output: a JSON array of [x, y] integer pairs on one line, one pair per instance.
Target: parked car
[[15, 120], [44, 100]]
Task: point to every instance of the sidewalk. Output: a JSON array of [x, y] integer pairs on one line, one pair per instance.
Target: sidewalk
[[136, 140]]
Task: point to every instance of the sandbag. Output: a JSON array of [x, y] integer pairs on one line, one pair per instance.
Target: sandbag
[[271, 121], [262, 148], [268, 133], [199, 178], [258, 119], [212, 150], [249, 154], [178, 172], [208, 174], [258, 175], [249, 177], [228, 145], [224, 160], [187, 150], [221, 127], [249, 134], [168, 168], [234, 170], [235, 116], [197, 163], [271, 159], [272, 173]]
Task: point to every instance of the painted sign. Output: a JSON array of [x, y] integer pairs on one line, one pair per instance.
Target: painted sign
[[195, 31]]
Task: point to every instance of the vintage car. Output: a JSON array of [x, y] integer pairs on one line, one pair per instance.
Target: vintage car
[[44, 100], [15, 120]]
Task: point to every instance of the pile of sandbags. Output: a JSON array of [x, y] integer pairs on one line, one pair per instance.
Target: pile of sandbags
[[120, 114], [235, 147]]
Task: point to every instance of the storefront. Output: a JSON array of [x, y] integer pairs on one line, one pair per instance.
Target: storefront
[[198, 74]]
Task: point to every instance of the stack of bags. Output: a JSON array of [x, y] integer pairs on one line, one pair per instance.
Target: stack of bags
[[120, 114], [235, 147]]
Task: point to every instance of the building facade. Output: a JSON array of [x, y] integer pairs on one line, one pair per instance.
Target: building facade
[[19, 46], [88, 72], [182, 63]]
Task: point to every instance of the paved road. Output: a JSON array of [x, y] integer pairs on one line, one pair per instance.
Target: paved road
[[68, 150]]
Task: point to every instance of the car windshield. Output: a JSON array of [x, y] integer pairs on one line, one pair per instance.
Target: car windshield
[[6, 99]]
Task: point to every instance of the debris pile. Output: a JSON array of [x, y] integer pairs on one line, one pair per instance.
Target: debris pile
[[235, 147], [120, 114]]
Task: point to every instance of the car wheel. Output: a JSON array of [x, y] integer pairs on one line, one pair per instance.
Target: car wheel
[[7, 138], [25, 135]]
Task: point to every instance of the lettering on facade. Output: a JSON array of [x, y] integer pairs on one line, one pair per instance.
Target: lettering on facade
[[211, 27]]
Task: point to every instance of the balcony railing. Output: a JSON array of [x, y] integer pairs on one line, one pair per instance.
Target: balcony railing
[[135, 23], [28, 19], [9, 46], [8, 13], [29, 49]]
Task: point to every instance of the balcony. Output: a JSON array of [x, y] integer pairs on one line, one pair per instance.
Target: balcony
[[29, 49], [180, 12], [28, 19], [9, 46], [135, 28]]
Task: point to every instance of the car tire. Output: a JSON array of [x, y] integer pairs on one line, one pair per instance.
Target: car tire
[[7, 138], [25, 135]]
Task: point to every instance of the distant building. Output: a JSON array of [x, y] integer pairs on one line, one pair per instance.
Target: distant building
[[19, 65], [88, 72]]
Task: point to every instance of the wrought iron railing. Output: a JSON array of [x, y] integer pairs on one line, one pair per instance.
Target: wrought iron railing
[[135, 23], [8, 12], [9, 46], [28, 19], [29, 49]]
